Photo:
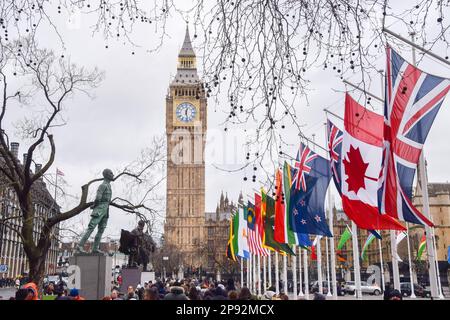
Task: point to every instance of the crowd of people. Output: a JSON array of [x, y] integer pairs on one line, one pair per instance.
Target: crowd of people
[[186, 289], [12, 282]]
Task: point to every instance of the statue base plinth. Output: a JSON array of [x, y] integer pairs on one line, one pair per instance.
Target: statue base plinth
[[131, 276], [95, 274]]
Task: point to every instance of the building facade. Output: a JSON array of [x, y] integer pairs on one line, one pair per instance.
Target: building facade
[[11, 250], [217, 229], [186, 125]]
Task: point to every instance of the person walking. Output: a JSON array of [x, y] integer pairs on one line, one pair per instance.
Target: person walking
[[176, 292]]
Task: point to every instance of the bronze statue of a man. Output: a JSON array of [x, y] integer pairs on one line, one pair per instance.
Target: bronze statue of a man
[[100, 213]]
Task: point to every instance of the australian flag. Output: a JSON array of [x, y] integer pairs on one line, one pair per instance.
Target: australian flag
[[307, 198]]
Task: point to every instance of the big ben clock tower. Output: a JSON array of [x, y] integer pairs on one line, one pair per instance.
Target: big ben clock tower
[[186, 131]]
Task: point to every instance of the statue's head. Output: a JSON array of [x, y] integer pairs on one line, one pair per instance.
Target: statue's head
[[108, 174], [141, 224]]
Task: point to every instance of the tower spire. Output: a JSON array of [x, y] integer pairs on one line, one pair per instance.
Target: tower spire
[[186, 49]]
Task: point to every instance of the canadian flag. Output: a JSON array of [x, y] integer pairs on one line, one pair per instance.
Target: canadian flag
[[360, 168]]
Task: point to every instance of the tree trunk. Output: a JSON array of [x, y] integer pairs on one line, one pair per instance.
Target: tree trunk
[[37, 270]]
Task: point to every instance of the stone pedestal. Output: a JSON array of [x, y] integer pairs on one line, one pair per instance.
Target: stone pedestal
[[130, 277], [147, 276], [95, 275]]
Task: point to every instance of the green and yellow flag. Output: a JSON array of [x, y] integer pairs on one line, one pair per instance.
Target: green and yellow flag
[[268, 210]]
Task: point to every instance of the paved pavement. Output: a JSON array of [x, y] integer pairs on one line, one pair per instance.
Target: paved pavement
[[6, 293]]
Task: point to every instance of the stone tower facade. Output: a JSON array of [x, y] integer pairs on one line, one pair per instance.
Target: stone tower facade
[[186, 125]]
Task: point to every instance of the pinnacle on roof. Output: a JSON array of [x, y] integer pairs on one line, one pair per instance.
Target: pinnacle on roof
[[186, 49]]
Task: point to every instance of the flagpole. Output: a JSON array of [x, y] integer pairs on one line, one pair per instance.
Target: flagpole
[[394, 256], [300, 293], [332, 249], [319, 264], [294, 273], [285, 290], [328, 268], [441, 296], [413, 295], [264, 280], [254, 273], [248, 273], [356, 267], [381, 264], [269, 267], [431, 253], [277, 280], [242, 273], [305, 269], [258, 278]]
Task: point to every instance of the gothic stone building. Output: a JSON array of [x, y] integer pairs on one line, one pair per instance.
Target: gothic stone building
[[11, 250], [217, 232]]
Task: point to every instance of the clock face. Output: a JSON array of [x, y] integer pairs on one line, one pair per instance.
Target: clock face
[[186, 112]]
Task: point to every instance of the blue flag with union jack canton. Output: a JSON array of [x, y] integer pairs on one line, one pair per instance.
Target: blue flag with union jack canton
[[334, 151], [307, 198], [412, 101]]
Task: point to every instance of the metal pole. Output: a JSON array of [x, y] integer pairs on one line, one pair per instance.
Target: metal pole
[[381, 264], [242, 273], [285, 290], [319, 264], [394, 255], [413, 295], [264, 282], [294, 273], [426, 210], [414, 45], [333, 253], [441, 296], [269, 267], [356, 267], [363, 91], [248, 273], [300, 293], [258, 276], [277, 280], [305, 269]]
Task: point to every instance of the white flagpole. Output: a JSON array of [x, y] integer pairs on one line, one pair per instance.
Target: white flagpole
[[248, 273], [333, 253], [431, 253], [300, 293], [277, 279], [381, 264], [356, 262], [294, 273], [285, 290], [305, 269], [269, 267], [258, 276], [328, 268], [319, 264], [411, 281], [242, 273], [254, 273], [441, 296], [394, 260], [264, 280]]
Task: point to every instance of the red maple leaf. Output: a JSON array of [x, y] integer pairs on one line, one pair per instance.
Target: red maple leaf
[[355, 169]]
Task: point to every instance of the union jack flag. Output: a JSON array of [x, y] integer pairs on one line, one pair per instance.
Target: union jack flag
[[303, 165], [334, 149], [412, 101]]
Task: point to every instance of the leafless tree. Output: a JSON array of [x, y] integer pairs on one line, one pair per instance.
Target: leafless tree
[[50, 81]]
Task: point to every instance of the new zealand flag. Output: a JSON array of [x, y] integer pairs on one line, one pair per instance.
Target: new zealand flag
[[307, 199]]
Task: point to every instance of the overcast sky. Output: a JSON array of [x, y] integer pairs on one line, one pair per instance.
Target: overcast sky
[[129, 109]]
